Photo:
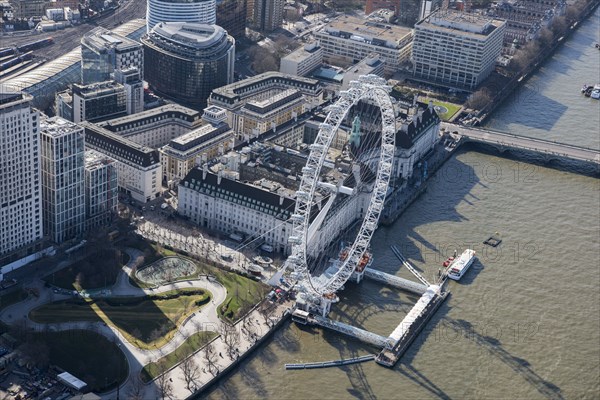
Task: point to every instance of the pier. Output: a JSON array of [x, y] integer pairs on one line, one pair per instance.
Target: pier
[[404, 334], [507, 141]]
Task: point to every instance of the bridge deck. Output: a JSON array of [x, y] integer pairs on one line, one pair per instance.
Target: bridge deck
[[526, 143]]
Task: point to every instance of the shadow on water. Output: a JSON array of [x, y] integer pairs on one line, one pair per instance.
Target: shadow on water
[[451, 184], [494, 346], [472, 273]]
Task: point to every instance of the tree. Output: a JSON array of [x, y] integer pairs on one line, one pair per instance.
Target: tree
[[479, 99], [163, 383], [262, 60], [559, 26], [230, 336], [266, 311], [545, 37], [191, 372], [209, 355], [136, 390]]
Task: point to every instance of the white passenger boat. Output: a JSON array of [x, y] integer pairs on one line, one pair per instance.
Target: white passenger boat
[[460, 265]]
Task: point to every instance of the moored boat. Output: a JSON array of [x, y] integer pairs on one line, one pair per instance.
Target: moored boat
[[460, 265]]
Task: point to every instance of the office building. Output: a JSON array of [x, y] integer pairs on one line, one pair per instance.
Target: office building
[[103, 51], [63, 179], [138, 167], [101, 189], [20, 180], [155, 127], [202, 55], [197, 11], [302, 61], [457, 49], [232, 207], [214, 138], [98, 101], [267, 14], [261, 88], [133, 84], [349, 39], [231, 16]]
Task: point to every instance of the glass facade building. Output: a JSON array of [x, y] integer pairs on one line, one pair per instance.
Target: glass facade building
[[186, 61], [231, 16], [199, 11], [63, 196]]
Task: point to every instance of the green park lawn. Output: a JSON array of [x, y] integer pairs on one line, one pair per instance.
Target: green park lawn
[[191, 345], [451, 107], [146, 322], [242, 294]]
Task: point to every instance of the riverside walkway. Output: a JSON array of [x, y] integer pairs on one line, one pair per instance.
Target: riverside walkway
[[503, 141]]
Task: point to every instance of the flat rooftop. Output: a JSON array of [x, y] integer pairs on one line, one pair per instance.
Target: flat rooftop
[[95, 160], [456, 22], [57, 127], [190, 33], [102, 39], [303, 52], [367, 28]]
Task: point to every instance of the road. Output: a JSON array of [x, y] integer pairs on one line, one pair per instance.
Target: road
[[68, 39]]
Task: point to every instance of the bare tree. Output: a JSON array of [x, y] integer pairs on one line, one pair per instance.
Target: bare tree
[[191, 372], [230, 336], [165, 387], [263, 60], [136, 391], [209, 355], [266, 311], [479, 99]]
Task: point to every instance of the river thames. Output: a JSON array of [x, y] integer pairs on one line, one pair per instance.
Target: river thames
[[524, 322]]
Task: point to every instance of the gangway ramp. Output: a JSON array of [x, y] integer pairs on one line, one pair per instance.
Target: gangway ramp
[[349, 330], [412, 269], [395, 281]]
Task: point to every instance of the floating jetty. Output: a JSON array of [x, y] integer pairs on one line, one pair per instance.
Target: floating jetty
[[410, 327], [329, 364]]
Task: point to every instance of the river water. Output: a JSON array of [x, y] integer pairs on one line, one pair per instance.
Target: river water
[[524, 322]]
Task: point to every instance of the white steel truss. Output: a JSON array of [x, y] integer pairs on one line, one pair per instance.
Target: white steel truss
[[367, 87]]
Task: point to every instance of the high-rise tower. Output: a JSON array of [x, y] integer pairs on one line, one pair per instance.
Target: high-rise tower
[[20, 193], [200, 11], [63, 179]]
